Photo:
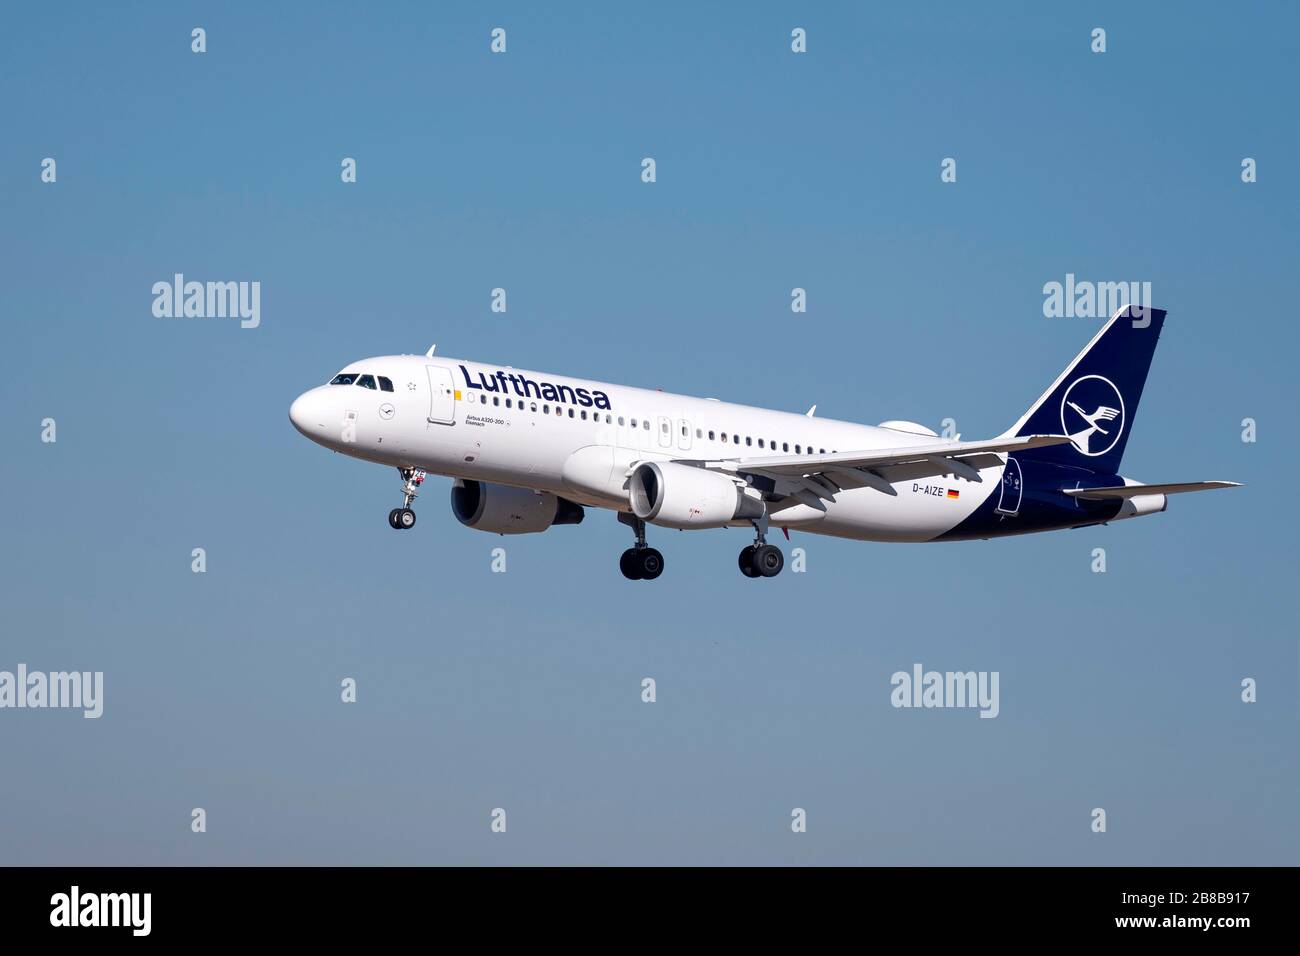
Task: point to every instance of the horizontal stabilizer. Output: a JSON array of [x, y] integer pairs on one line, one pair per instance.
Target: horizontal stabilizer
[[1130, 491]]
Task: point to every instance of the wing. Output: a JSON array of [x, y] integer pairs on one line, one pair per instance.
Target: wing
[[809, 478], [1129, 491]]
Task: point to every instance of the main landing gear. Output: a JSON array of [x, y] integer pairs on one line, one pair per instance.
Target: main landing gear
[[640, 562], [403, 517], [760, 559], [643, 563]]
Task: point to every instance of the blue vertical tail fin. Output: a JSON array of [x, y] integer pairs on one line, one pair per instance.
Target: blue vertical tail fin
[[1095, 399]]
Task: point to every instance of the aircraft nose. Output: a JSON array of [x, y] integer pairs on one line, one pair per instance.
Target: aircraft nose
[[305, 413]]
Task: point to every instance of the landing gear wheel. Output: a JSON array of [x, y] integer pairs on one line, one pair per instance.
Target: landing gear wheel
[[403, 517], [768, 560], [651, 563], [746, 562], [630, 564], [639, 562]]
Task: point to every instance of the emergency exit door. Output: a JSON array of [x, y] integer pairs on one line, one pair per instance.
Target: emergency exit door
[[683, 434]]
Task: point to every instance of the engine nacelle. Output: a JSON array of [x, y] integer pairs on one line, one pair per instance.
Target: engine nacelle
[[683, 496], [502, 509]]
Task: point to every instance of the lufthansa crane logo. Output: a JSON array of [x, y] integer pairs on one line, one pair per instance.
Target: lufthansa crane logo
[[1092, 414]]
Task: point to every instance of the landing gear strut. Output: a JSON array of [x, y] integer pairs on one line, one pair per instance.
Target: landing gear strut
[[760, 559], [640, 562], [403, 517]]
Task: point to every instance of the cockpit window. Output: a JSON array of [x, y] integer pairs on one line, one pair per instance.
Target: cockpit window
[[344, 378], [366, 381], [385, 384]]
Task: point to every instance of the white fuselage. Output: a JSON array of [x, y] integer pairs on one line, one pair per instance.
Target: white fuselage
[[576, 438]]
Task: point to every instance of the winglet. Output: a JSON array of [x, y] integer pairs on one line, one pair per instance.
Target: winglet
[[431, 348], [810, 411]]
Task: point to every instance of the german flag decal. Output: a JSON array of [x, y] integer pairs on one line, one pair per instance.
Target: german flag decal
[[953, 493]]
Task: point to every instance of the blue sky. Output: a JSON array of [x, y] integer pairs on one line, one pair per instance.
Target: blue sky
[[522, 690]]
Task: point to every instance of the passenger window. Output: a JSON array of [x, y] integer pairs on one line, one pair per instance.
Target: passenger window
[[496, 400], [385, 384], [711, 438], [366, 381], [760, 443], [646, 424], [532, 406], [557, 411], [620, 421], [699, 433], [748, 440], [508, 405], [785, 446], [344, 378], [546, 409], [724, 438], [798, 450]]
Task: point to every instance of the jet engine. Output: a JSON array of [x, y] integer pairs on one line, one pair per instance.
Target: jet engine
[[502, 509], [684, 496]]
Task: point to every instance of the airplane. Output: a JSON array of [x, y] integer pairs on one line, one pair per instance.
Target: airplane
[[529, 450]]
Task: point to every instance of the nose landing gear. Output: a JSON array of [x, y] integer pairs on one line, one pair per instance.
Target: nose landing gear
[[640, 562], [760, 559], [403, 518]]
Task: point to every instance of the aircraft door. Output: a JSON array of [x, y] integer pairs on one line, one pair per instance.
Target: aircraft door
[[442, 395], [665, 432], [683, 434], [1012, 488]]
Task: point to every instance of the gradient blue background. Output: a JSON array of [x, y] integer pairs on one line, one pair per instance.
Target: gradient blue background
[[522, 690]]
